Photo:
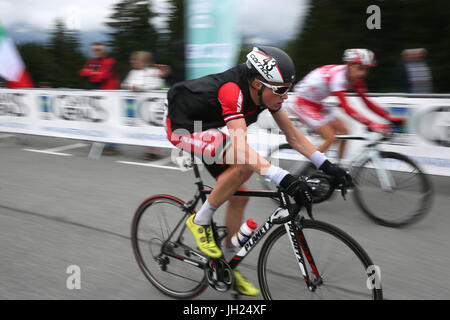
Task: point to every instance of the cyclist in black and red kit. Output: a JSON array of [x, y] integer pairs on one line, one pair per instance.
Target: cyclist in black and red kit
[[235, 98]]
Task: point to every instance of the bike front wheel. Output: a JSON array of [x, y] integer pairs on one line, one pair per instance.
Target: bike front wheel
[[163, 247], [335, 263], [394, 194]]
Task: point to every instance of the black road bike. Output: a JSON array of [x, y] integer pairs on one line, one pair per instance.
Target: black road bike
[[302, 258]]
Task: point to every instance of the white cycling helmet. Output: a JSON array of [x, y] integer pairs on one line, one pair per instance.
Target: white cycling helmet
[[361, 56]]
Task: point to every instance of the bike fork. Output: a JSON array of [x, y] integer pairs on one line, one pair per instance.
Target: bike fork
[[384, 176], [300, 245]]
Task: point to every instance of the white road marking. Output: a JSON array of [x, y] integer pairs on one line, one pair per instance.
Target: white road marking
[[146, 164], [161, 162], [50, 152], [54, 151], [68, 147]]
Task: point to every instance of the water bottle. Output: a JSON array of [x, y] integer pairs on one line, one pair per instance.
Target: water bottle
[[244, 233]]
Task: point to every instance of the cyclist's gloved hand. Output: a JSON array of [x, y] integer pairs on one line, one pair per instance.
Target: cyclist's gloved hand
[[397, 122], [379, 127], [332, 170], [298, 188], [340, 176]]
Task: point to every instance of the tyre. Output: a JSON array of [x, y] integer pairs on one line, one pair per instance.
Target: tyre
[[408, 201], [284, 156], [340, 267], [163, 247]]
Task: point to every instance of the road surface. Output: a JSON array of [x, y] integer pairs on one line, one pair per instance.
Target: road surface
[[59, 208]]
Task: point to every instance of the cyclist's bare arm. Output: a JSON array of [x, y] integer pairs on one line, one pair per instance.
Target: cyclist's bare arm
[[240, 152], [361, 91], [294, 137], [246, 155], [341, 95]]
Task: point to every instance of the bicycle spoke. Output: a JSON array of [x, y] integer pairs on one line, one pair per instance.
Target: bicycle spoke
[[341, 268], [402, 183], [167, 225], [408, 200], [340, 291], [170, 265], [160, 223], [183, 277], [286, 276]]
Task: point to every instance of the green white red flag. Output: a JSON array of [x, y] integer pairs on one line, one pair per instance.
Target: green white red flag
[[12, 68]]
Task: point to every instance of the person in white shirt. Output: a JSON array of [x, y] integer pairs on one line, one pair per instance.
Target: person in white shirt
[[145, 76]]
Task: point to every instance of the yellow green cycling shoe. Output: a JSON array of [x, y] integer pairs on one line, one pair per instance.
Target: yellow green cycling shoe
[[243, 286], [204, 237]]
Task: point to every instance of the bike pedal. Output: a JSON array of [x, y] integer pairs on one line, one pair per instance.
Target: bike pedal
[[236, 295]]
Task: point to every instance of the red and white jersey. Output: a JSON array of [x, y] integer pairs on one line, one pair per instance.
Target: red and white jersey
[[322, 82]]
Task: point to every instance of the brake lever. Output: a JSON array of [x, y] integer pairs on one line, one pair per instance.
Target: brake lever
[[344, 192]]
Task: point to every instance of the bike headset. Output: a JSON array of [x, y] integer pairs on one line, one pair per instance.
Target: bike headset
[[274, 65]]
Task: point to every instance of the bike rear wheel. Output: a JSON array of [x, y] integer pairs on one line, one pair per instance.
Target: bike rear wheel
[[335, 262], [407, 202], [163, 247]]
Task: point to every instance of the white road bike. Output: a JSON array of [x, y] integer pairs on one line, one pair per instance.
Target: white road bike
[[389, 187]]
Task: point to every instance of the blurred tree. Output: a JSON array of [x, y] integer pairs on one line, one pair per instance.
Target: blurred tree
[[66, 57], [332, 26], [131, 31], [175, 42], [176, 20], [56, 63], [38, 62]]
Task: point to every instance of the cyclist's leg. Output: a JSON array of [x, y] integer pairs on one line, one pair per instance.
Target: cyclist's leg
[[228, 183], [229, 180], [317, 119], [204, 145], [234, 215], [340, 128], [328, 134]]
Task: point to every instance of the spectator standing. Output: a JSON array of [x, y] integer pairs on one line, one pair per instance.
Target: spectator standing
[[415, 74], [145, 75], [101, 73]]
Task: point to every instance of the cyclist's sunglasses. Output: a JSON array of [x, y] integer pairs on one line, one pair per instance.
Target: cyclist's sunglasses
[[278, 90]]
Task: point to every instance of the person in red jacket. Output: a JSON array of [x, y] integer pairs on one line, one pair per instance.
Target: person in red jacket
[[336, 80], [102, 74], [100, 71]]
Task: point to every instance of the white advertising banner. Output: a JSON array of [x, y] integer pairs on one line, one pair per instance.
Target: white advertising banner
[[126, 117], [102, 116]]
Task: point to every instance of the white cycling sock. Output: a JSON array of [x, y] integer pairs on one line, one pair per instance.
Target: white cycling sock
[[204, 215]]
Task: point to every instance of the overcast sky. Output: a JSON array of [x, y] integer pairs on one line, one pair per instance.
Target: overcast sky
[[275, 19]]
